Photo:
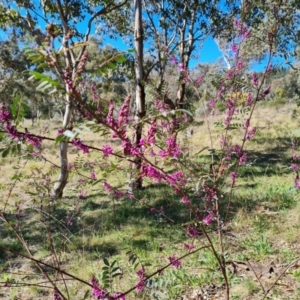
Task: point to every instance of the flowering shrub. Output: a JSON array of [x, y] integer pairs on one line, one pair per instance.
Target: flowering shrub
[[164, 159]]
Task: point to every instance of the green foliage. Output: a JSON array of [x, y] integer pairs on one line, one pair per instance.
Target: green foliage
[[46, 84], [110, 271]]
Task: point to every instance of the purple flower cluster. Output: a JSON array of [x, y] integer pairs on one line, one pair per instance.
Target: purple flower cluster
[[6, 119], [56, 295], [250, 134], [172, 150], [118, 295], [188, 247], [93, 175], [140, 285], [175, 262], [110, 120], [177, 178], [97, 291], [69, 82], [230, 111], [5, 115], [77, 142], [123, 118], [150, 139], [192, 231], [209, 218], [243, 31], [107, 187], [185, 200], [233, 176], [107, 150], [149, 171]]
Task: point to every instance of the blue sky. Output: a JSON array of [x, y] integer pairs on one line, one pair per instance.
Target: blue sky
[[208, 53]]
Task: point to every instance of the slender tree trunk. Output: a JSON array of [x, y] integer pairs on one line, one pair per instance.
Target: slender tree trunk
[[186, 49], [180, 95], [139, 89], [62, 180]]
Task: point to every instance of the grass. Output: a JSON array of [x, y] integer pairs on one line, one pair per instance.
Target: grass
[[263, 224]]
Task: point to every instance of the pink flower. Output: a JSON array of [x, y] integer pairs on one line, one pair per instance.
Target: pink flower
[[124, 112], [80, 145], [174, 60], [60, 131], [188, 246], [181, 67], [56, 295], [212, 104], [237, 23], [198, 81], [209, 218], [93, 175], [233, 176], [149, 171], [266, 92], [192, 232], [255, 79], [5, 115], [141, 283], [118, 295], [141, 273], [251, 133], [110, 116], [107, 150], [175, 262], [82, 195], [107, 187], [230, 74], [234, 48], [269, 68], [246, 124], [249, 99], [176, 178], [243, 159], [294, 167], [185, 200], [140, 286], [118, 193], [97, 291], [237, 149], [150, 139]]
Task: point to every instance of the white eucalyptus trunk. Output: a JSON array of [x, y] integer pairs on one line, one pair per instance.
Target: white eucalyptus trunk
[[139, 87], [62, 180]]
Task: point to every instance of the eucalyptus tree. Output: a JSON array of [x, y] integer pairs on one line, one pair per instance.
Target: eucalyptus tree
[[56, 48], [177, 28], [140, 96]]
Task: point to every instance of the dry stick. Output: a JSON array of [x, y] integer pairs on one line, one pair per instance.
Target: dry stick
[[57, 260], [20, 238], [221, 262], [278, 278], [260, 283], [47, 265], [20, 284]]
